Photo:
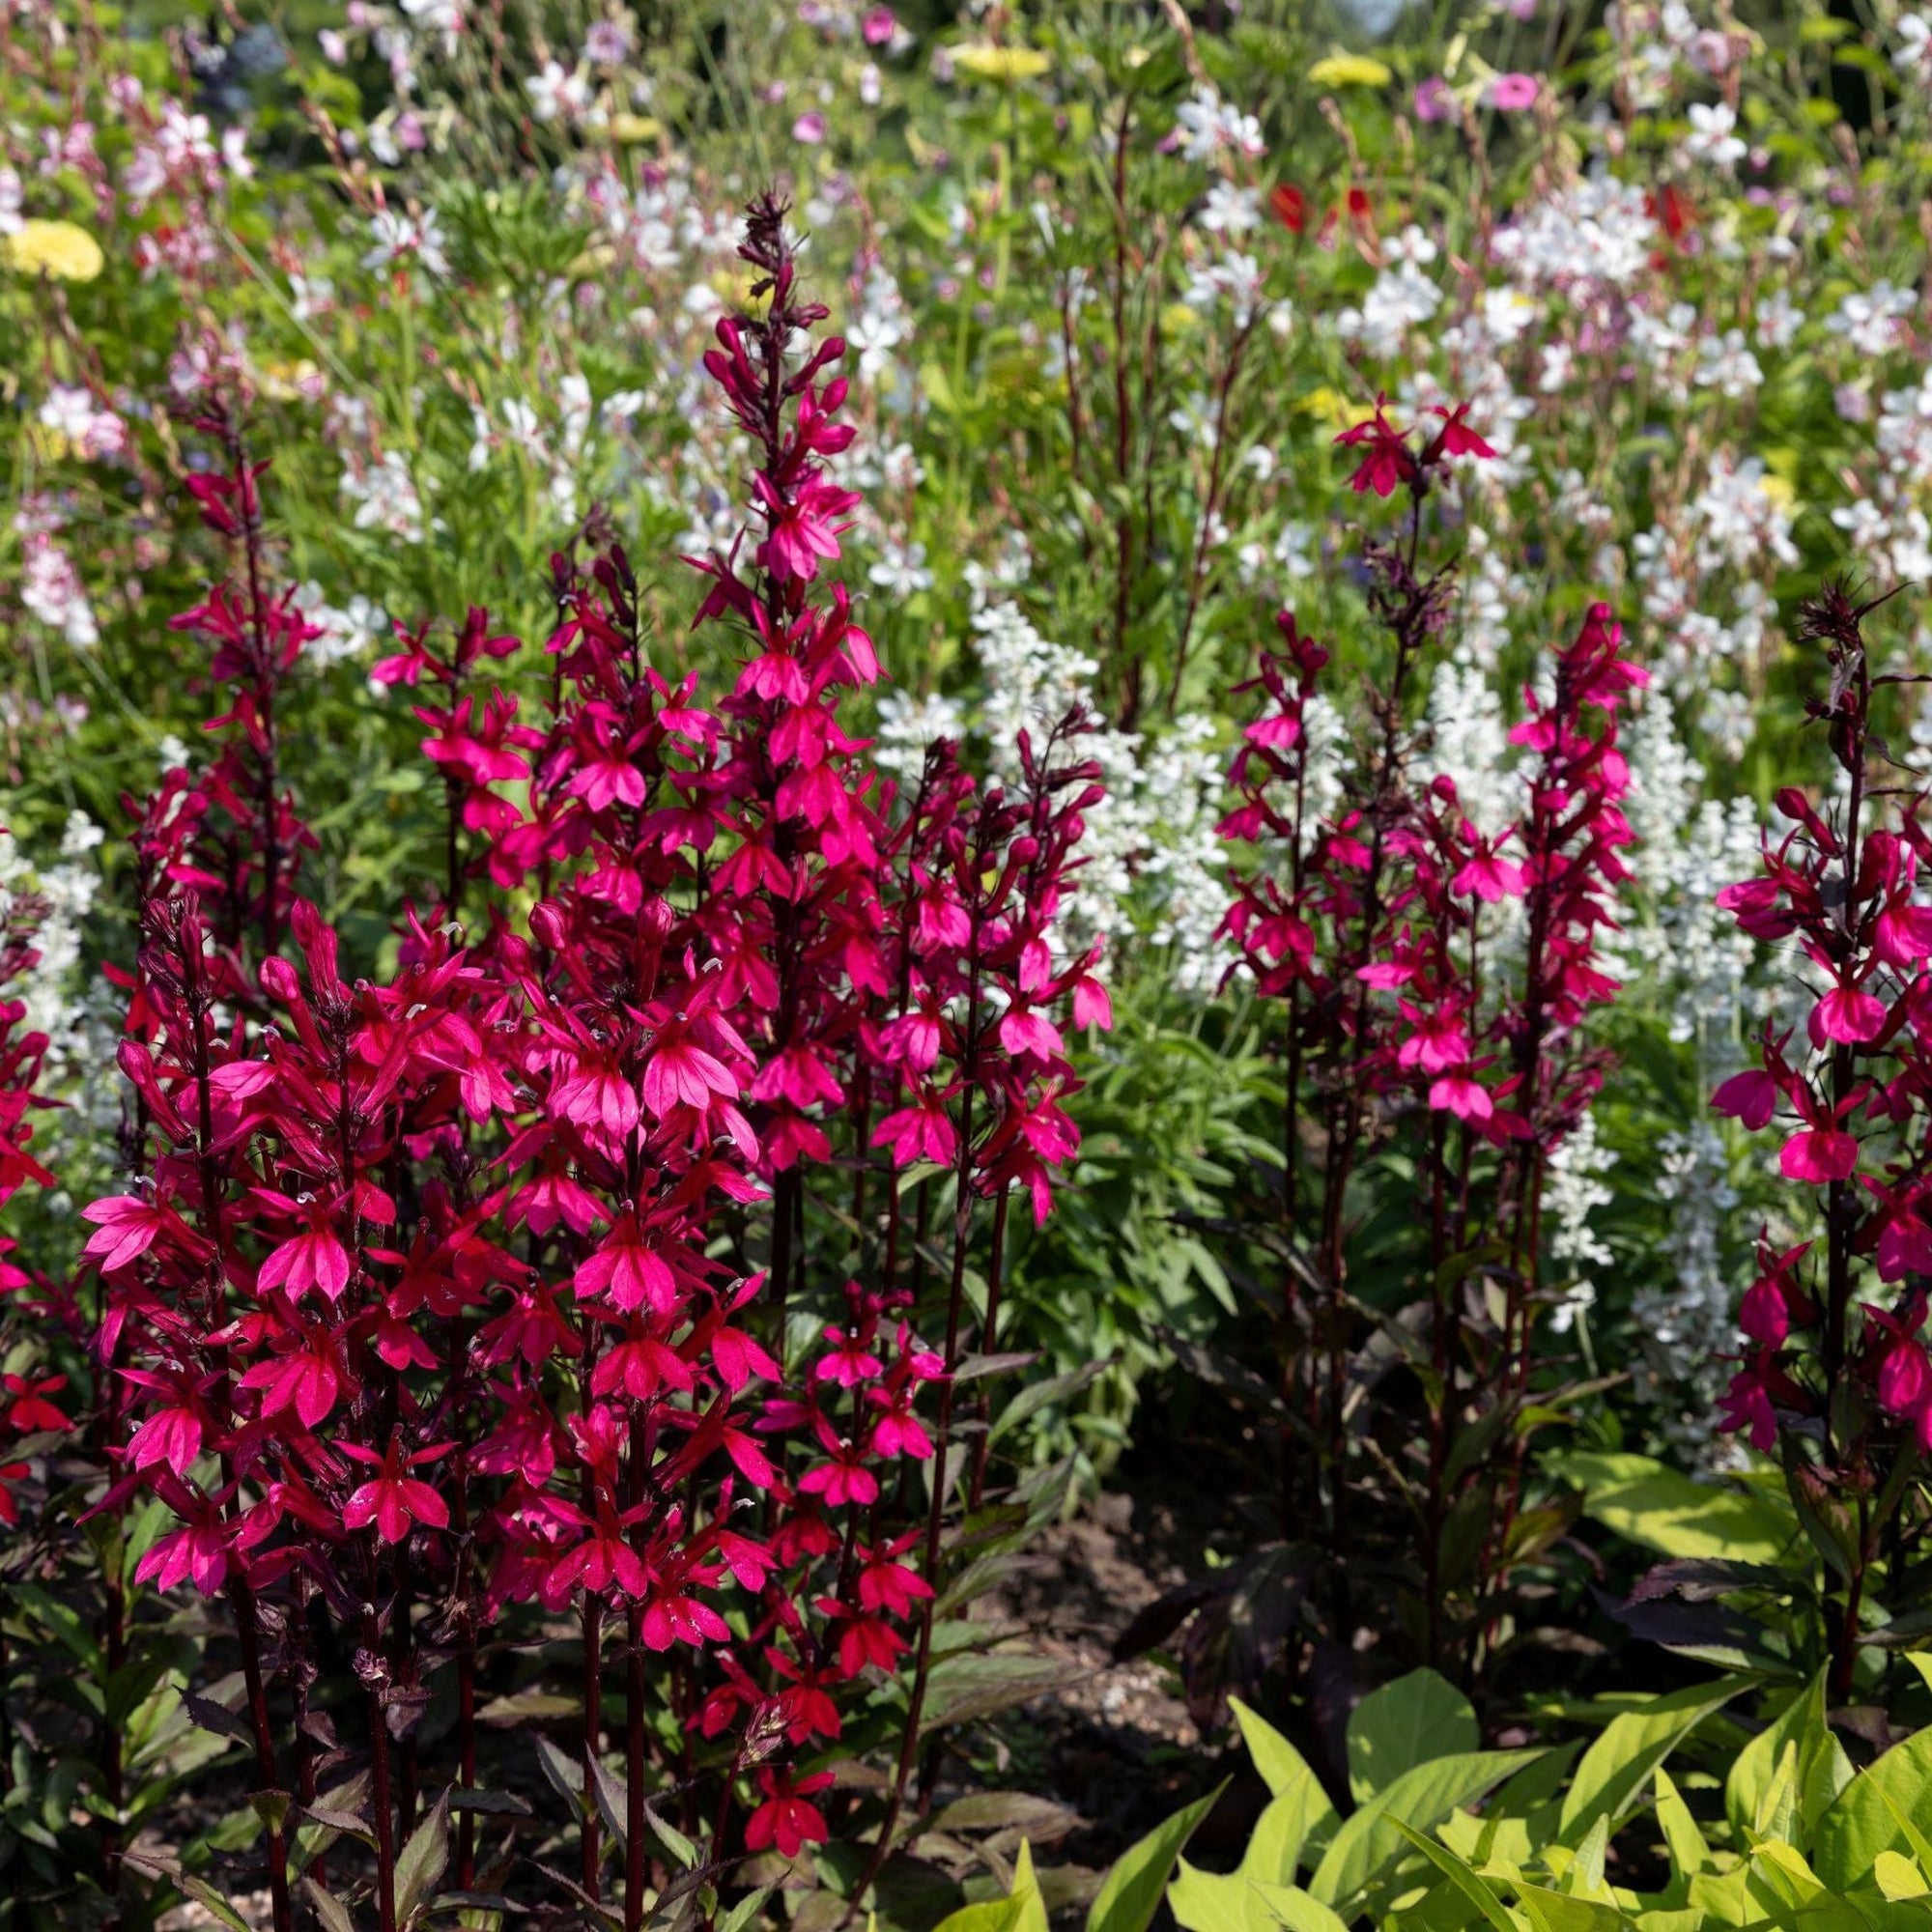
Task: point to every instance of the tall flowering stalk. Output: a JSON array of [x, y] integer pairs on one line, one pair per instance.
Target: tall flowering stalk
[[1837, 1381], [1433, 983], [440, 1293]]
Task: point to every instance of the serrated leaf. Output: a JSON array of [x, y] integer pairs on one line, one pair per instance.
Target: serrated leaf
[[424, 1860], [528, 1704], [1025, 1811], [203, 1894], [329, 1909], [964, 1688]]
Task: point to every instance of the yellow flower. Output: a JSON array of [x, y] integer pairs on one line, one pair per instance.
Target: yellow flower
[[1177, 319], [735, 287], [58, 248], [1331, 408], [287, 381], [1007, 64], [1350, 70], [628, 130]]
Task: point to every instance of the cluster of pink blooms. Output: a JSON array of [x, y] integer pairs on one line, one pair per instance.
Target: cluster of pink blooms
[[1842, 886], [481, 1284], [1413, 1009], [1315, 926]]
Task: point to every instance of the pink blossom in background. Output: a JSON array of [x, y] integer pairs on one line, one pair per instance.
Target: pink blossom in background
[[880, 24], [1511, 92], [1433, 100], [809, 128]]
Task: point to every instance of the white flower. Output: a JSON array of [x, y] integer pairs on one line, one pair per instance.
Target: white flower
[[1595, 230], [902, 570], [1869, 321], [400, 238], [1779, 319], [1235, 279], [50, 587], [94, 433], [556, 93], [909, 726], [1230, 210], [350, 632], [1411, 246], [1725, 364], [1401, 299], [1208, 126], [386, 498], [1711, 137], [1913, 52]]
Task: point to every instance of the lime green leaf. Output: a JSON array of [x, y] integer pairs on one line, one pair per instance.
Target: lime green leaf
[[1290, 1906], [1471, 1884], [1130, 1896], [1651, 1504], [1286, 1774], [1689, 1850], [1370, 1840], [1880, 1811], [1417, 1718], [1822, 1768], [1619, 1764]]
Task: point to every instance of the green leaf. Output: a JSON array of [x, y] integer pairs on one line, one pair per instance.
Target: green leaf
[[1417, 1718], [1822, 1768], [962, 1689], [203, 1894], [1216, 1902], [744, 1911], [1683, 1839], [1563, 1911], [1468, 1881], [1299, 1911], [992, 1914], [1026, 1892], [422, 1863], [1619, 1764], [1286, 1774], [1280, 1836], [1651, 1504], [329, 1909], [1886, 1807], [1130, 1895], [1370, 1840]]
